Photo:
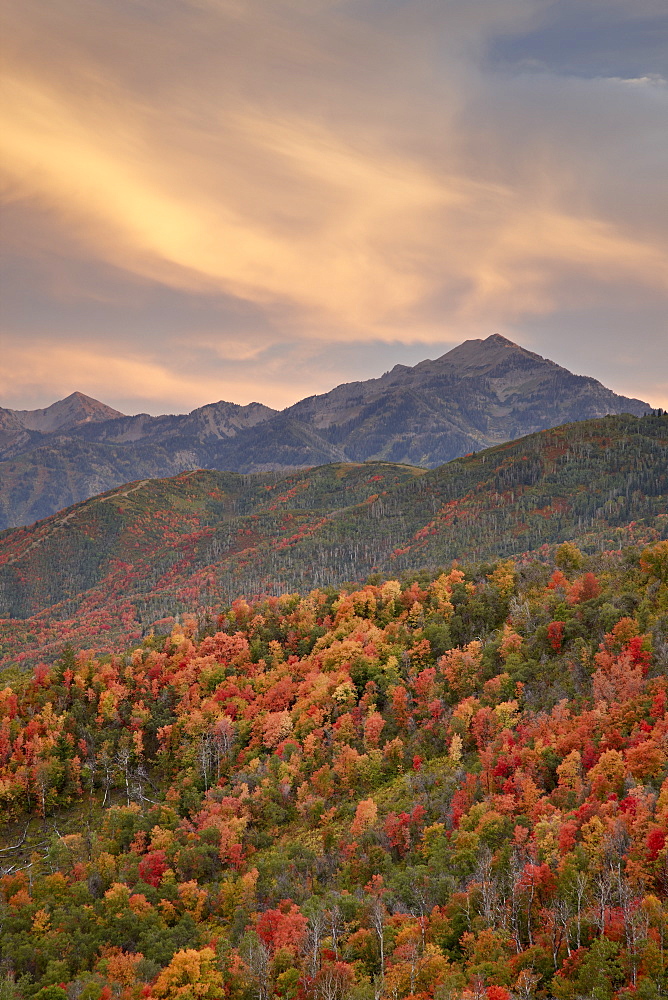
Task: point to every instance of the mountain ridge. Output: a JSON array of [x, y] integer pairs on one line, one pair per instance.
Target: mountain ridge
[[479, 394]]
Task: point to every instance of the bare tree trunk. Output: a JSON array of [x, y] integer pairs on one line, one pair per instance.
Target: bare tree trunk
[[258, 959], [377, 920], [335, 928], [581, 886], [314, 936], [604, 891]]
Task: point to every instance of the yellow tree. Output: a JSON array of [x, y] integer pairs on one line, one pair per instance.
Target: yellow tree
[[191, 975]]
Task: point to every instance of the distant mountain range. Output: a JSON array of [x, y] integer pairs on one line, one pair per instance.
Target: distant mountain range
[[114, 565], [481, 393]]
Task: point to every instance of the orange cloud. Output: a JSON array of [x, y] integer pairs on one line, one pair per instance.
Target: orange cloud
[[327, 255], [51, 371], [355, 176], [274, 204]]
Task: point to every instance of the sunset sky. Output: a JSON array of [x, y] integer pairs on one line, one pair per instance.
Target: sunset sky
[[259, 199]]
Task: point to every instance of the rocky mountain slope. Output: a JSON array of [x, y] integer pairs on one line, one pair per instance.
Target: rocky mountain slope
[[481, 393], [73, 411], [123, 561], [21, 429]]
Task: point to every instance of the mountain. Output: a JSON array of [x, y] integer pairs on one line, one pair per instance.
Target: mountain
[[42, 473], [479, 394], [67, 413], [21, 429], [122, 561]]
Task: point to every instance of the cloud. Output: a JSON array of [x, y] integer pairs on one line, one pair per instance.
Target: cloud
[[594, 39], [323, 247], [133, 380], [63, 367], [388, 171], [354, 236], [70, 365]]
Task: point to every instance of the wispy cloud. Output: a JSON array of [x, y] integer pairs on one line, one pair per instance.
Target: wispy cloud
[[352, 172]]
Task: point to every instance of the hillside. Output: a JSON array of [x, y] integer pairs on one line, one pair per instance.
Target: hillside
[[479, 394], [446, 789], [121, 562]]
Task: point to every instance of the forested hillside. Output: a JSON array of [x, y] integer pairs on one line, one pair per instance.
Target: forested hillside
[[123, 562], [450, 787]]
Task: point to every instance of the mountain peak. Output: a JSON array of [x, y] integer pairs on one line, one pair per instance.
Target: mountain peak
[[77, 408], [497, 338], [80, 397], [480, 353]]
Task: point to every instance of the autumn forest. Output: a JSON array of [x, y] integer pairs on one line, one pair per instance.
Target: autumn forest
[[446, 785]]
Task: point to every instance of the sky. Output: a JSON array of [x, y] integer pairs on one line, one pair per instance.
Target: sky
[[260, 199]]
